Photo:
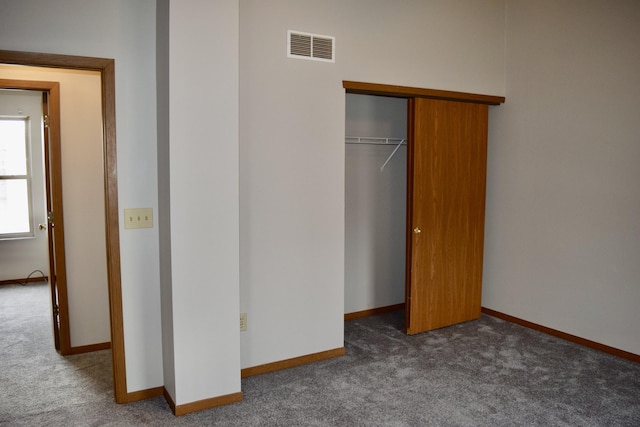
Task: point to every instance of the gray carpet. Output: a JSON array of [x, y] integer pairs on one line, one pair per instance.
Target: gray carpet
[[482, 373]]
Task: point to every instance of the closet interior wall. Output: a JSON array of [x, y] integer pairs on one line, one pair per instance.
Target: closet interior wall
[[375, 205]]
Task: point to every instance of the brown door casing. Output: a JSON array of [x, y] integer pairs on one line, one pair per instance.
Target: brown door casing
[[106, 67]]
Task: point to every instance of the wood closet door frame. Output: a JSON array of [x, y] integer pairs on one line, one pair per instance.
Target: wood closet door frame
[[443, 281]]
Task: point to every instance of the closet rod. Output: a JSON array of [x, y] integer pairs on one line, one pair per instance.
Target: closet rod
[[374, 140]]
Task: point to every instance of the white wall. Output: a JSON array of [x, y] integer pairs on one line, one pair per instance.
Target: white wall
[[125, 31], [561, 229], [203, 338], [83, 198], [375, 211], [21, 257], [563, 204], [292, 154], [292, 184]]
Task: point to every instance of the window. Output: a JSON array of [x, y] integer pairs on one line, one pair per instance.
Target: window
[[15, 200]]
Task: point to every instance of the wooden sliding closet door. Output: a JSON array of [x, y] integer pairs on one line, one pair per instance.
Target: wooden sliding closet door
[[445, 217]]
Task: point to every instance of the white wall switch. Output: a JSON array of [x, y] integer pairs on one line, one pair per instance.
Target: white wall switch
[[138, 218]]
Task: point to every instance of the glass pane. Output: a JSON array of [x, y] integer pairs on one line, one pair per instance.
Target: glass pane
[[14, 206], [13, 147]]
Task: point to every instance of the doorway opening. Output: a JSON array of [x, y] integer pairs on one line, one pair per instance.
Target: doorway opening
[[375, 203], [24, 164], [106, 69], [73, 255]]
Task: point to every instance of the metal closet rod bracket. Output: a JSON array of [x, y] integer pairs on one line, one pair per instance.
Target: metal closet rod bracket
[[377, 141]]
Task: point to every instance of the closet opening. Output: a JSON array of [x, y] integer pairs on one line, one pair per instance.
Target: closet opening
[[375, 205], [440, 211]]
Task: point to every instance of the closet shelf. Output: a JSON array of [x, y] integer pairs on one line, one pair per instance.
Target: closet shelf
[[373, 140]]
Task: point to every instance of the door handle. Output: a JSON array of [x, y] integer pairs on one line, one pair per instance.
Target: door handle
[[42, 227], [417, 230]]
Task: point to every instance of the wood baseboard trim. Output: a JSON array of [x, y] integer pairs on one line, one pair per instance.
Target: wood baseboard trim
[[563, 335], [373, 311], [200, 405], [142, 395], [86, 348], [24, 281], [169, 400], [290, 363]]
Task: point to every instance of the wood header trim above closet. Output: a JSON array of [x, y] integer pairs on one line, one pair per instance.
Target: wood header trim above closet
[[414, 92]]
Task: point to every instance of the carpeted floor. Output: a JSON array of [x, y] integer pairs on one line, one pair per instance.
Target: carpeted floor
[[482, 373]]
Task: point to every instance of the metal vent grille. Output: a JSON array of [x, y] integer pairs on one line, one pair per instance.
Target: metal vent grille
[[310, 46]]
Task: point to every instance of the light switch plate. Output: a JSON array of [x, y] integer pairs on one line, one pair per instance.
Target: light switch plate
[[138, 218], [243, 322]]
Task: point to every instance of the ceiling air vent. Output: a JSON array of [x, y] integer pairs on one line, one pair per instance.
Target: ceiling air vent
[[310, 46]]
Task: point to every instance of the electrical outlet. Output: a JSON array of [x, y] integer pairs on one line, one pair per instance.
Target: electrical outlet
[[138, 218], [243, 322]]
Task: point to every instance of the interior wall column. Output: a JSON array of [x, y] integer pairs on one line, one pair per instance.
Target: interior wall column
[[199, 179]]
